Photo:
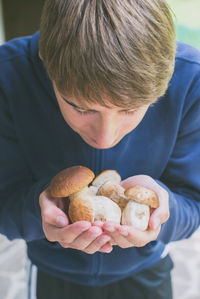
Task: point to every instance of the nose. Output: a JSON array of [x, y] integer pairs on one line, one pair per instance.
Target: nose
[[105, 128]]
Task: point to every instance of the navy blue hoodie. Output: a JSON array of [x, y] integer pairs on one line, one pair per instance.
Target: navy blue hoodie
[[36, 143]]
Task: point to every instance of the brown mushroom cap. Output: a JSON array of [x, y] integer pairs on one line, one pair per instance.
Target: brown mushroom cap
[[142, 195], [70, 180]]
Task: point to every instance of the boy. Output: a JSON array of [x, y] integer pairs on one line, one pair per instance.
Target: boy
[[97, 87]]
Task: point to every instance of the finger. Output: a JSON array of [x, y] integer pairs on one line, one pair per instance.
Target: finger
[[54, 216], [121, 240], [117, 233], [112, 242], [97, 244], [161, 214], [86, 238], [98, 223], [51, 212], [141, 238], [67, 234], [143, 180], [119, 237], [107, 248], [128, 236]]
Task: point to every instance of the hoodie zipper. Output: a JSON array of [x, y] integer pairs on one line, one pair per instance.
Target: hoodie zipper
[[98, 157]]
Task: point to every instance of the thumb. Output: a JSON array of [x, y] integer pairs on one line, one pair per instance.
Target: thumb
[[141, 179], [62, 220], [52, 210]]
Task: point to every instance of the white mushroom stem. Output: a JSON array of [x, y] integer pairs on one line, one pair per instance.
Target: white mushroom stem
[[136, 215], [94, 189], [105, 209], [83, 192], [84, 206]]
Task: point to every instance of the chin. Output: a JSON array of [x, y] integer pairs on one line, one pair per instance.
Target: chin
[[102, 147], [95, 145]]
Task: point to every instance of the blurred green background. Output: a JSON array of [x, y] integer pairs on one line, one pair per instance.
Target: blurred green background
[[187, 20]]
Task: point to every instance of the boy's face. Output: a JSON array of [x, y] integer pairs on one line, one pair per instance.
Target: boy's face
[[99, 126]]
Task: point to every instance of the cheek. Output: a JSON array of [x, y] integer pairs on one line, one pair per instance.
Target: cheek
[[71, 116], [77, 122]]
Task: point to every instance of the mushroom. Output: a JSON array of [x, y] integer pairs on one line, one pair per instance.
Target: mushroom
[[114, 192], [70, 180], [93, 208], [105, 199], [137, 210], [84, 204], [136, 215], [143, 195], [107, 183], [106, 176]]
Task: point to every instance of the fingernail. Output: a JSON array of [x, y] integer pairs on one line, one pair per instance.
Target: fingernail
[[110, 229], [105, 239], [108, 250], [98, 223], [95, 230], [124, 233], [61, 221]]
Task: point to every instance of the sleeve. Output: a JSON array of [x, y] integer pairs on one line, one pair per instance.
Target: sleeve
[[181, 177], [19, 193]]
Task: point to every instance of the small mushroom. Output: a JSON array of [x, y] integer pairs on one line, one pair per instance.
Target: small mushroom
[[136, 215], [114, 192], [93, 208], [84, 204], [106, 176], [137, 210], [143, 195], [70, 180]]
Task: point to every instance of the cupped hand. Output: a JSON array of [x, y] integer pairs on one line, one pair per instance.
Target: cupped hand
[[81, 235], [161, 214], [127, 236]]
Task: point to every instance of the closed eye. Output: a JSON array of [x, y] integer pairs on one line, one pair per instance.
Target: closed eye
[[85, 112], [129, 112]]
